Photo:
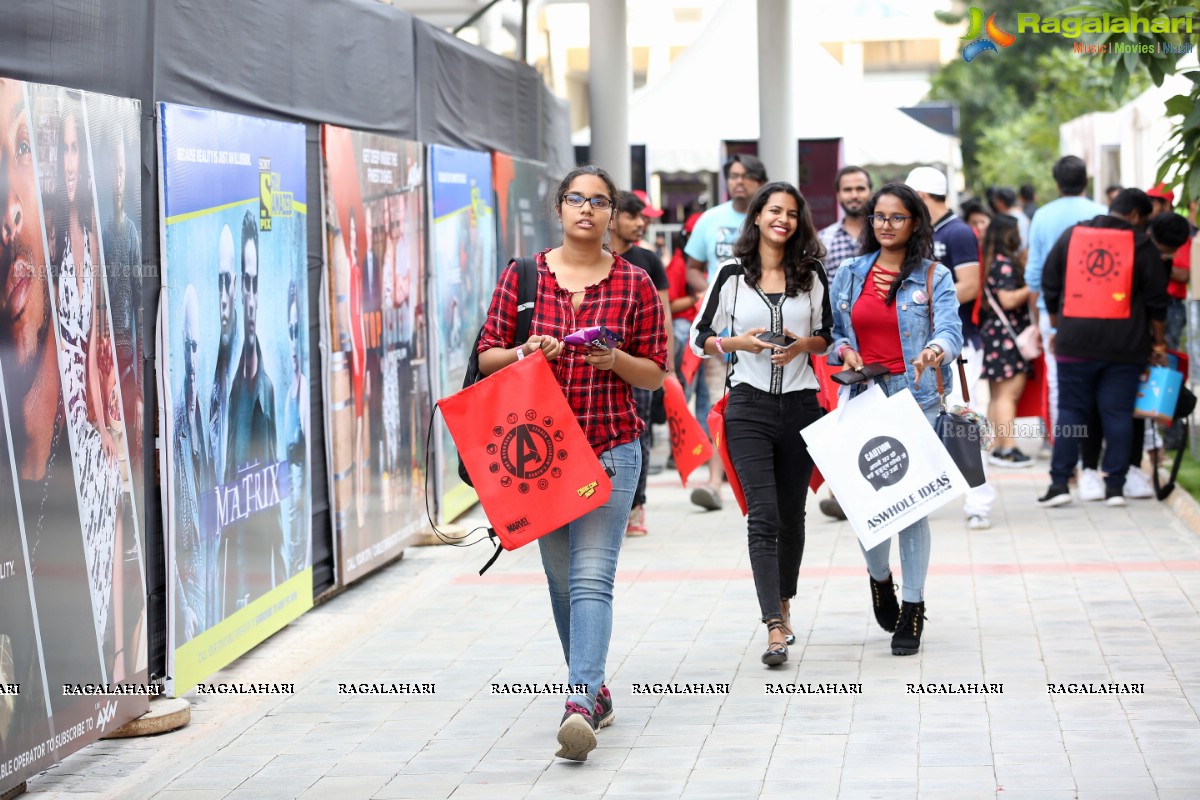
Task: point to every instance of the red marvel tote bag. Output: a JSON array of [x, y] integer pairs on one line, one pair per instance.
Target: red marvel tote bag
[[531, 463]]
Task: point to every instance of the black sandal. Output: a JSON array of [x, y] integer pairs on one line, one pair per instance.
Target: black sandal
[[790, 638], [776, 653]]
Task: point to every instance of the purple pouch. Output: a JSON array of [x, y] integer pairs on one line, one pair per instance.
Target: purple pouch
[[600, 337]]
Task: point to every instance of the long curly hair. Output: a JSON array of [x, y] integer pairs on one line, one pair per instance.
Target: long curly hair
[[920, 242], [802, 253]]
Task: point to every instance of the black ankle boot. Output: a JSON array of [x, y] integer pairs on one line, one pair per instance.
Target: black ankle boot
[[883, 600], [907, 638]]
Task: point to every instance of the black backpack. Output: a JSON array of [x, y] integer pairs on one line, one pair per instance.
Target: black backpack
[[527, 283]]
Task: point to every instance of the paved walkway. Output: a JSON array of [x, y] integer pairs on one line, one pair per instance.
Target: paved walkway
[[1082, 594]]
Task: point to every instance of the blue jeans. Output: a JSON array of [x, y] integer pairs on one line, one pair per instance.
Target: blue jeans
[[580, 560], [1088, 390], [1176, 322], [914, 540]]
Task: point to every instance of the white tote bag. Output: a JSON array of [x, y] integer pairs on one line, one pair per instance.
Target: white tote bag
[[884, 462]]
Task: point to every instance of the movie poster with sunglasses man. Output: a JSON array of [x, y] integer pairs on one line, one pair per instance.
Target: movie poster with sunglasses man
[[377, 366], [463, 275], [235, 384]]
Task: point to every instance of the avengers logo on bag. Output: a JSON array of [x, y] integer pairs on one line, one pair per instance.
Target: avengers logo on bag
[[1099, 275], [526, 451], [532, 465]]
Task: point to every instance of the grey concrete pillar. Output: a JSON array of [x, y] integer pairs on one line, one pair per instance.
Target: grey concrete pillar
[[776, 91], [610, 82]]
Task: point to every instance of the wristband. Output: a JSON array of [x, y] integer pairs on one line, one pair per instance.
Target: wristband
[[520, 352], [842, 349], [720, 349]]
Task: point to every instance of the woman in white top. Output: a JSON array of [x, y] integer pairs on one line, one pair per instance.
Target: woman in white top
[[774, 287]]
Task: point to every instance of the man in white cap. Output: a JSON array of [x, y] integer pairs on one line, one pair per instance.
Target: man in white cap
[[955, 245]]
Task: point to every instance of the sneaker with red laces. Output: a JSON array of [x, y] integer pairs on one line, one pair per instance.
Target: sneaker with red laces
[[576, 733], [604, 709]]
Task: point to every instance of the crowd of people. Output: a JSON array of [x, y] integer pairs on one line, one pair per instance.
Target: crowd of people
[[1070, 299]]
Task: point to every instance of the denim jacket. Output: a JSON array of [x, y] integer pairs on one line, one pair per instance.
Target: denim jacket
[[912, 312]]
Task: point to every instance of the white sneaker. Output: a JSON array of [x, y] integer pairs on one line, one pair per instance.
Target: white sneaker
[[978, 522], [1137, 485], [1090, 486]]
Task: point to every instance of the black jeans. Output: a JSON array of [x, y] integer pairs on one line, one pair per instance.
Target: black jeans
[[773, 464], [644, 400]]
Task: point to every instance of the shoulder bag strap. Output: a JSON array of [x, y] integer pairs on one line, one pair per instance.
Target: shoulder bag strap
[[962, 373], [1001, 313], [737, 280]]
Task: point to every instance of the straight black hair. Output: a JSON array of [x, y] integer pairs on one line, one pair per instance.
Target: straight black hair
[[585, 169], [1070, 173], [753, 166], [802, 252], [920, 242]]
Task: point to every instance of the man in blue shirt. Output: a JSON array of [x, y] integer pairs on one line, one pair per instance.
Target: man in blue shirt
[[955, 245], [711, 244], [1049, 223]]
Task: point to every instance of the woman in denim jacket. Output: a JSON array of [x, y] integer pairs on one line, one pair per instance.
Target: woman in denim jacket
[[881, 309]]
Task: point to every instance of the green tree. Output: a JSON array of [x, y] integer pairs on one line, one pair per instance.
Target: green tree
[[1181, 164], [995, 88], [1021, 148]]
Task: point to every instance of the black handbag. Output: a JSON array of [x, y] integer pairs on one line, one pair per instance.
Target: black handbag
[[1184, 407], [960, 436]]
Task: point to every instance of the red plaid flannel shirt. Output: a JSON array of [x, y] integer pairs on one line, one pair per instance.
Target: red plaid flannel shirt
[[625, 302]]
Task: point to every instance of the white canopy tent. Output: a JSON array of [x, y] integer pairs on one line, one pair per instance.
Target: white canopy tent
[[711, 93], [1125, 147]]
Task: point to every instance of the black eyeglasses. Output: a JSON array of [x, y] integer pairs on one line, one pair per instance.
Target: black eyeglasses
[[894, 221], [599, 202], [294, 330], [190, 345], [225, 280], [250, 283]]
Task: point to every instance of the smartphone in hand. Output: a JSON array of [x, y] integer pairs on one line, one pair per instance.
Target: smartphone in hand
[[777, 339]]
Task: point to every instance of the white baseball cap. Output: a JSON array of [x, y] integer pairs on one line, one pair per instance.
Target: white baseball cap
[[927, 180]]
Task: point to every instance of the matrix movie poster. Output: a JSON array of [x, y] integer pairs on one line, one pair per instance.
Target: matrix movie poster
[[522, 206], [235, 384], [73, 640], [464, 270], [377, 371]]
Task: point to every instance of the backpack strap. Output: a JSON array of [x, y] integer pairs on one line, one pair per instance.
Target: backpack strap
[[527, 286]]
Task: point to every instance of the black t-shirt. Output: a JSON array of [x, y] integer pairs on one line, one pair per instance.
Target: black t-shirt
[[651, 263]]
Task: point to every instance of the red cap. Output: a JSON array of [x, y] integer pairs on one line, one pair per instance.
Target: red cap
[[649, 211], [691, 222], [1162, 192]]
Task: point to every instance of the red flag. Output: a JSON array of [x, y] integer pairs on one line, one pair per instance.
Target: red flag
[[716, 428], [827, 394], [1099, 275], [827, 397], [530, 461], [689, 445], [691, 364]]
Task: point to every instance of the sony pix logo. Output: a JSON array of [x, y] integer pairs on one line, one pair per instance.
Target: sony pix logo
[[980, 44], [271, 201]]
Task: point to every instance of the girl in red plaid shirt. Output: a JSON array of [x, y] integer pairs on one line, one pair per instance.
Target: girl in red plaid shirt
[[582, 284]]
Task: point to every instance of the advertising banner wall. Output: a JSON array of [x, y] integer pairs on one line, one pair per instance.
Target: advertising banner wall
[[522, 206], [377, 368], [463, 275], [234, 383], [73, 647]]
